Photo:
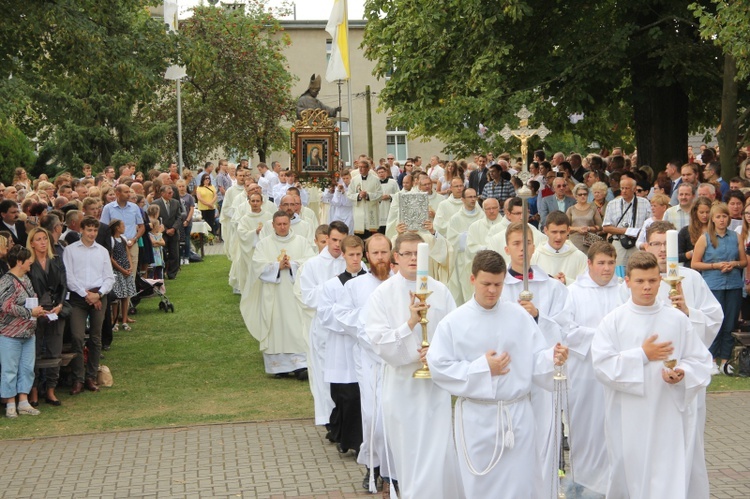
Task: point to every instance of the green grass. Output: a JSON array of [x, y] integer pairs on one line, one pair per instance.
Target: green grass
[[728, 384], [198, 365]]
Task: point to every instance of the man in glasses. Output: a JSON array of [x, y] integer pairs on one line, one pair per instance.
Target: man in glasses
[[559, 202]]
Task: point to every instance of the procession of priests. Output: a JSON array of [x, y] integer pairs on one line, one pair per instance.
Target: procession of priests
[[338, 289]]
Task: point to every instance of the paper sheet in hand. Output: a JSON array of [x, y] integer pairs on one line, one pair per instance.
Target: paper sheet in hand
[[413, 209]]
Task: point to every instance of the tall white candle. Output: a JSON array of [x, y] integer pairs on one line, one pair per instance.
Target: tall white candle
[[672, 263], [423, 266]]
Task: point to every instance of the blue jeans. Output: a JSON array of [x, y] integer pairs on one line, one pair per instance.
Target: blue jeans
[[17, 356], [731, 301]]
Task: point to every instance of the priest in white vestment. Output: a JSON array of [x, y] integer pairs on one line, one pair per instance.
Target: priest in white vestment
[[340, 371], [390, 188], [304, 212], [559, 257], [364, 192], [247, 237], [488, 353], [275, 317], [594, 294], [652, 365], [417, 412], [348, 312], [458, 232], [695, 300], [476, 239], [312, 275], [548, 309], [227, 210], [449, 207], [298, 226]]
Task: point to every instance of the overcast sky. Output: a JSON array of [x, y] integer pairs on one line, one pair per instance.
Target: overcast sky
[[306, 9]]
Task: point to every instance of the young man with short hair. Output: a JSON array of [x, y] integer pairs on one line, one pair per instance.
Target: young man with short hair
[[487, 352], [652, 365], [594, 294], [558, 257]]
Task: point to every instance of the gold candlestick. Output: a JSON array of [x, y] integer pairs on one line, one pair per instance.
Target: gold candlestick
[[424, 371], [673, 281]]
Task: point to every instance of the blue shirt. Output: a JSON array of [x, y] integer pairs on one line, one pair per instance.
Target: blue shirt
[[727, 250], [130, 214]]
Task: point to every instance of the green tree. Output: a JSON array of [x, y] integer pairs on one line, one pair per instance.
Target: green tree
[[639, 66], [238, 87], [83, 73], [725, 24]]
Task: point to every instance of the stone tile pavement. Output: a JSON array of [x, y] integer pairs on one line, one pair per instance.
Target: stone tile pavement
[[273, 459]]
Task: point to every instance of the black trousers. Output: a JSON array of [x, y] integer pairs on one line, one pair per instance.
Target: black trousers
[[346, 418], [172, 256]]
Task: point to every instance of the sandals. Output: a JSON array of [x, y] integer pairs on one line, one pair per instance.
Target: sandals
[[126, 327], [116, 328]]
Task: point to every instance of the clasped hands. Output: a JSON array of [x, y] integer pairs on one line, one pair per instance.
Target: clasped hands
[[499, 363], [662, 351]]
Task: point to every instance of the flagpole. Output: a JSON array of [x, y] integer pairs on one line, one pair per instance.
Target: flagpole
[[339, 83]]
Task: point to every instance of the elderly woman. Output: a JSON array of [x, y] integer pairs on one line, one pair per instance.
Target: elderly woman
[[584, 218], [17, 339], [599, 192], [47, 275]]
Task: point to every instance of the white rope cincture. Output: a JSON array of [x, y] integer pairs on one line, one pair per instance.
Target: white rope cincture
[[503, 419]]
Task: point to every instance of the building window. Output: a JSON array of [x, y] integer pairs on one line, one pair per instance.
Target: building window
[[396, 143], [329, 49]]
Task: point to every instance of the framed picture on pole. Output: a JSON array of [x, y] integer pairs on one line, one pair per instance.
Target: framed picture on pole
[[314, 144]]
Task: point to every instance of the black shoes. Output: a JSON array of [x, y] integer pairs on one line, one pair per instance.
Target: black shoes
[[301, 374]]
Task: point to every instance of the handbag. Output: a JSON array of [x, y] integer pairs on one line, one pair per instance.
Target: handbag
[[628, 242]]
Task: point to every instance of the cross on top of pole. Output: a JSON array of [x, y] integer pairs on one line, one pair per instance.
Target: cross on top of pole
[[524, 133]]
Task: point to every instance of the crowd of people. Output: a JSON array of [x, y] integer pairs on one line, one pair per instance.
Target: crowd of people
[[334, 304], [72, 253]]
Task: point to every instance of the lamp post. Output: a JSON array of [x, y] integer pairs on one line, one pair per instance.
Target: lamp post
[[524, 133]]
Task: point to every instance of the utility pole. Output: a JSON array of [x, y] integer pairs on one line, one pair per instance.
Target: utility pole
[[368, 105]]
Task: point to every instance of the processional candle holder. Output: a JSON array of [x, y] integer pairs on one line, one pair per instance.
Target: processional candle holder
[[422, 293], [424, 371], [673, 274]]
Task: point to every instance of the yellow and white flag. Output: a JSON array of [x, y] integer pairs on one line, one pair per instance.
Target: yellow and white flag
[[338, 28]]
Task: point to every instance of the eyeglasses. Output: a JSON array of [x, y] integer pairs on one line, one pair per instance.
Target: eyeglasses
[[409, 254], [640, 190], [655, 244], [746, 213], [582, 193]]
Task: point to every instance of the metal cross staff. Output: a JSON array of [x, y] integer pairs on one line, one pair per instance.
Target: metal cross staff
[[524, 133]]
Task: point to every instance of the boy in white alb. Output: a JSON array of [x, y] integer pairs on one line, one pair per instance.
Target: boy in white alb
[[652, 365]]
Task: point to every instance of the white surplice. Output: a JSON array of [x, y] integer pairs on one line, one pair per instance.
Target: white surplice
[[366, 214], [417, 412], [274, 317], [312, 275], [587, 304], [348, 312], [458, 233], [706, 316], [492, 408], [550, 296], [569, 260], [341, 210], [478, 234], [389, 187], [647, 425]]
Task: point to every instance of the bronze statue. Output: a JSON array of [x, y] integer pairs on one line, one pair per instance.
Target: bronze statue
[[309, 100]]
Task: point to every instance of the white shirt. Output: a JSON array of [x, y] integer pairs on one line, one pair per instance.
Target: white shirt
[[88, 267]]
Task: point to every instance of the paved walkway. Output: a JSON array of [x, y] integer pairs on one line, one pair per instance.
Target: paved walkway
[[267, 460]]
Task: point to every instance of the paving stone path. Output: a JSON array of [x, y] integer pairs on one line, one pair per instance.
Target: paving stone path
[[276, 459]]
